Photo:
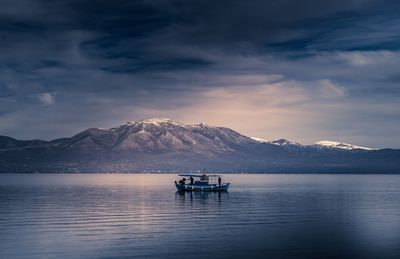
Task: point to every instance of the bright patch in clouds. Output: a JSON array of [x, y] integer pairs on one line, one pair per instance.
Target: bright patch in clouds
[[46, 98]]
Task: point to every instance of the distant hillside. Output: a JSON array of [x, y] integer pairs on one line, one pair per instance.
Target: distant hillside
[[165, 145]]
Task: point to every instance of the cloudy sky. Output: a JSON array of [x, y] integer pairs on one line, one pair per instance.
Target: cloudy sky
[[303, 70]]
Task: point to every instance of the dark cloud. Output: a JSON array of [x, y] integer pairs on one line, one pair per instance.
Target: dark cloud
[[67, 65]]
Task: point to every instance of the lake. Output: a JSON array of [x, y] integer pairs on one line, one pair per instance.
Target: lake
[[142, 216]]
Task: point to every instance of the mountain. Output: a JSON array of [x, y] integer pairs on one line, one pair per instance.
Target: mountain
[[157, 135], [284, 142], [161, 144], [339, 145], [279, 142], [319, 144]]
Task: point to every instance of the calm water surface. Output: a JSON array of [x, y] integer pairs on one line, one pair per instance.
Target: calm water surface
[[142, 216]]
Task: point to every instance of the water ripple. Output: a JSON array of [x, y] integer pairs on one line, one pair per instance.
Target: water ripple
[[136, 216]]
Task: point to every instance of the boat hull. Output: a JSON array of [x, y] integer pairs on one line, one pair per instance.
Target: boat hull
[[202, 188]]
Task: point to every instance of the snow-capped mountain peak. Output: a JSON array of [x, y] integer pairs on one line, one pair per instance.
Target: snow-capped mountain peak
[[145, 124], [166, 135], [260, 140], [283, 142], [155, 121], [340, 145], [320, 144], [159, 121], [278, 142], [202, 125]]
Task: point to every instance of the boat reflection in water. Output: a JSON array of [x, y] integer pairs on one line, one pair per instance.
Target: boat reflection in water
[[201, 200], [201, 182]]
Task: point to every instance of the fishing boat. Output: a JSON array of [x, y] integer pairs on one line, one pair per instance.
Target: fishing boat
[[202, 182]]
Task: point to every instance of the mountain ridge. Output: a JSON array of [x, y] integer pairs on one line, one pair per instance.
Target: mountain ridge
[[161, 144]]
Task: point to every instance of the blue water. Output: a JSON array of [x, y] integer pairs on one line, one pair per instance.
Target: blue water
[[142, 216]]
